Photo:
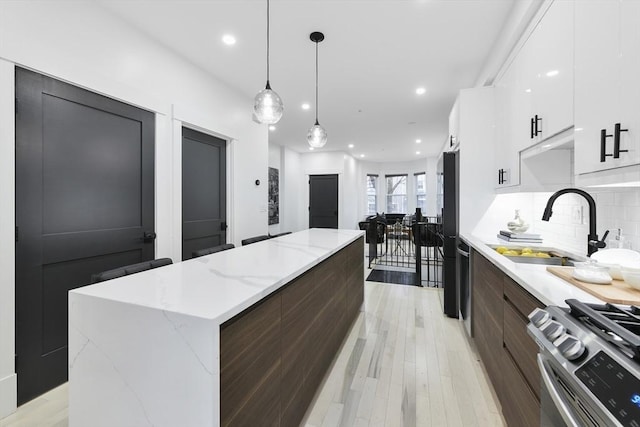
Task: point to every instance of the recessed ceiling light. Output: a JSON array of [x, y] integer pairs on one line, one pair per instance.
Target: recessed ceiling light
[[361, 155], [552, 73], [417, 152], [418, 141], [306, 106], [272, 127], [528, 90], [228, 39], [350, 145], [578, 129], [310, 148], [421, 91]]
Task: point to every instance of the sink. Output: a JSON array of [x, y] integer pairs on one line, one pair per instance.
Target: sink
[[556, 256]]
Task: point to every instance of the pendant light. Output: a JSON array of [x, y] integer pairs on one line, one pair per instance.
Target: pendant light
[[267, 105], [317, 136]]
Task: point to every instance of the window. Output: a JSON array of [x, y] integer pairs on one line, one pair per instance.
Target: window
[[396, 193], [372, 194], [421, 191]]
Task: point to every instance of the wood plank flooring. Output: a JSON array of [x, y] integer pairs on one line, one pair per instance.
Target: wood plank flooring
[[403, 364]]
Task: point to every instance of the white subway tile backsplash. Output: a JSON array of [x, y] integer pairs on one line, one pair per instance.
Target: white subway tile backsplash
[[632, 213], [628, 198], [617, 208]]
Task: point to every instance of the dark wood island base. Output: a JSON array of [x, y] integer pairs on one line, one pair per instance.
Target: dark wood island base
[[274, 355]]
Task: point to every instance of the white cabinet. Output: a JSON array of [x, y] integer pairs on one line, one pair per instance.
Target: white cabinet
[[535, 93], [454, 126], [607, 86], [548, 70], [507, 158]]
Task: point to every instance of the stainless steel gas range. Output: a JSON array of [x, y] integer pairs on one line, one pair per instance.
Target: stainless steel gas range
[[589, 361]]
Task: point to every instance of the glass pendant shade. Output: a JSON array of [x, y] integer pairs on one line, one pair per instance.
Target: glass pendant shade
[[317, 136], [268, 106]]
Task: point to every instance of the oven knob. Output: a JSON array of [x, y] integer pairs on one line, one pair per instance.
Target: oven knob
[[539, 317], [570, 347], [552, 330]]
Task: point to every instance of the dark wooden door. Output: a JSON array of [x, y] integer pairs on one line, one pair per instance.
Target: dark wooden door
[[323, 201], [204, 206], [84, 201]]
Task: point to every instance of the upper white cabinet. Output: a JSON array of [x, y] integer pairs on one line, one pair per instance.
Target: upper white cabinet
[[607, 85], [508, 119], [454, 126], [535, 93], [548, 74]]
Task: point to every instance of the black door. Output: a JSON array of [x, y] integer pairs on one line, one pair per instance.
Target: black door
[[323, 201], [84, 200], [204, 207]]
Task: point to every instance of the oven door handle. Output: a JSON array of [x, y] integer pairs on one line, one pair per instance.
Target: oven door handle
[[560, 403]]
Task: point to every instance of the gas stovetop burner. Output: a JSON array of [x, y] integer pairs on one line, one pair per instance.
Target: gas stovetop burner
[[620, 327]]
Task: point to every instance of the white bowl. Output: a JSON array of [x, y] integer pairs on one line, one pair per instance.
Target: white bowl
[[592, 272], [614, 270], [619, 256], [631, 276]]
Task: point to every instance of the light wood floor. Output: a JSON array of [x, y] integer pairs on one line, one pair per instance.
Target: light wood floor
[[403, 364]]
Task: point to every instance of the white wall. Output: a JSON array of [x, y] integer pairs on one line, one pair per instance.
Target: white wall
[[293, 208], [7, 237], [80, 43]]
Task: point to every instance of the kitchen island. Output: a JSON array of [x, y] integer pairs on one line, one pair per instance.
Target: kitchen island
[[240, 337]]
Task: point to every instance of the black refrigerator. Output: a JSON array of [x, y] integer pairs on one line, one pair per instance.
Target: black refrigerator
[[448, 169]]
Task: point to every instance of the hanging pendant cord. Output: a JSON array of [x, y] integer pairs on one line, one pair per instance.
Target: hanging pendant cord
[[267, 42], [316, 83]]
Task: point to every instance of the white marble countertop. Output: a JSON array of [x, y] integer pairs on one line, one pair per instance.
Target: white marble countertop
[[221, 285], [549, 289]]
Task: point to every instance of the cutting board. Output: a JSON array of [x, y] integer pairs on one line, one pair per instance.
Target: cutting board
[[618, 292]]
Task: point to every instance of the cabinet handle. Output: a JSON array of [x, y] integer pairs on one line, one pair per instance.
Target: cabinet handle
[[538, 119], [616, 141], [500, 171], [603, 145], [532, 128], [450, 140]]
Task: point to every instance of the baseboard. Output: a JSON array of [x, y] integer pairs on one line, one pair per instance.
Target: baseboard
[[8, 395]]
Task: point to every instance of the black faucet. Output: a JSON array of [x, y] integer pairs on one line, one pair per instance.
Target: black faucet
[[592, 241]]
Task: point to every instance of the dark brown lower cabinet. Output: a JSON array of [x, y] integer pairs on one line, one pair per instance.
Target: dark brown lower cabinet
[[500, 309], [274, 355]]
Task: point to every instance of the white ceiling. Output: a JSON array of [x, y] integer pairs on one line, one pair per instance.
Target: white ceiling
[[374, 56]]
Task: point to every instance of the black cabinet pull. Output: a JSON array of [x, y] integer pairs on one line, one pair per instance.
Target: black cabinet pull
[[616, 141], [501, 179], [535, 130], [149, 236], [532, 126], [603, 145]]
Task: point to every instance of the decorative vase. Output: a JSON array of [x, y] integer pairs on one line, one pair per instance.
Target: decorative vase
[[518, 225]]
